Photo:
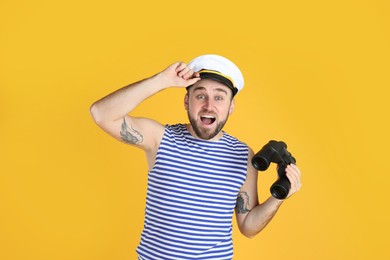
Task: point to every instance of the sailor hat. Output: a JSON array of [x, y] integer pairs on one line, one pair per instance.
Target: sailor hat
[[215, 67]]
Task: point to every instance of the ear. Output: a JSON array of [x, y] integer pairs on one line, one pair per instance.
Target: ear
[[186, 101], [231, 108]]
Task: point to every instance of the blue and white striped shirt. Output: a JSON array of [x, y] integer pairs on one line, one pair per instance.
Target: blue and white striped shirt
[[191, 196]]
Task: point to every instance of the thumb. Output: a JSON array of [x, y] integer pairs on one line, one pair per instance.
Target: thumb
[[192, 81]]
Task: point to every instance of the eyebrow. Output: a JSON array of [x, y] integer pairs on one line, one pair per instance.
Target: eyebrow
[[203, 88]]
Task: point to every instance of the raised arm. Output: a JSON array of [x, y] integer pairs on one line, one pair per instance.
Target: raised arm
[[111, 112], [253, 217]]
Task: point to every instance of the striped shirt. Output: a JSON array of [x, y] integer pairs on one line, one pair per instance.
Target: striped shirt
[[191, 196]]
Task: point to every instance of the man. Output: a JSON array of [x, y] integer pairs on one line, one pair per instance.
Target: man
[[198, 174]]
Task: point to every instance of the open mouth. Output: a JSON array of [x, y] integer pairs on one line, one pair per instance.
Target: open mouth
[[207, 120]]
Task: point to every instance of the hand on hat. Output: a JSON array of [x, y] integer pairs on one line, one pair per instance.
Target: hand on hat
[[179, 75]]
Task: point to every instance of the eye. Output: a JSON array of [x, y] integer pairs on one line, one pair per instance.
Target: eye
[[219, 98], [200, 96]]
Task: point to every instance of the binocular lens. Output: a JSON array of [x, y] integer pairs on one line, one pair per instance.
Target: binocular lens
[[281, 188], [260, 163], [263, 158], [279, 192]]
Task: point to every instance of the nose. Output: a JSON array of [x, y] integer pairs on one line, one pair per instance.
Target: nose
[[208, 104]]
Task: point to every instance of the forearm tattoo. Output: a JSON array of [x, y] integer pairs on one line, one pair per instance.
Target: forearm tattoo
[[242, 203], [129, 135]]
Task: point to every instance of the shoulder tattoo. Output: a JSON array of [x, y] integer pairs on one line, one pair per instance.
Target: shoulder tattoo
[[129, 135], [242, 203]]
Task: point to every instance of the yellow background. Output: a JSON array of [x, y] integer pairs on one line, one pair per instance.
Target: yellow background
[[317, 77]]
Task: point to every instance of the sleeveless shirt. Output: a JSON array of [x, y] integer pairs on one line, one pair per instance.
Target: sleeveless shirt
[[191, 196]]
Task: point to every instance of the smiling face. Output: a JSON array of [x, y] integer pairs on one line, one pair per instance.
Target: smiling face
[[208, 104]]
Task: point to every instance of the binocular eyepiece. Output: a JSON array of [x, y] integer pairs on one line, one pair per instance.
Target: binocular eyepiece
[[275, 152]]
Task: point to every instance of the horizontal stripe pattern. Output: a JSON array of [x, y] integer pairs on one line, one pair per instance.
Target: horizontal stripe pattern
[[191, 196]]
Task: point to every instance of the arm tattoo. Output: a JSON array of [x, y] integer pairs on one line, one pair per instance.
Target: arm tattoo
[[242, 203], [129, 135]]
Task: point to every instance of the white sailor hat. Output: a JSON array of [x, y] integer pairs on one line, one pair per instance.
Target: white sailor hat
[[211, 66]]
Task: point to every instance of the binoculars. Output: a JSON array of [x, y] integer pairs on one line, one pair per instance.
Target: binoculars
[[275, 152]]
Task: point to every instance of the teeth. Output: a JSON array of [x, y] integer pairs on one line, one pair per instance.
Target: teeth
[[208, 116]]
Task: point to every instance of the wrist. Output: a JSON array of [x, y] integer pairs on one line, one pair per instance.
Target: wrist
[[157, 81], [275, 201]]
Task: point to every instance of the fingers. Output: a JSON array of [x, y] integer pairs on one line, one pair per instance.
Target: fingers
[[185, 72], [192, 81], [179, 74], [180, 66], [294, 175]]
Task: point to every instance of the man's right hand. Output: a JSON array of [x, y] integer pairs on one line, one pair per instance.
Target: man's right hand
[[178, 75]]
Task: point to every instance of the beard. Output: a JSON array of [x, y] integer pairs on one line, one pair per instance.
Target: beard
[[206, 134]]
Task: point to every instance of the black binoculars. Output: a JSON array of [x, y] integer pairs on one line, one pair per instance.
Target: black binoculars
[[275, 152]]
